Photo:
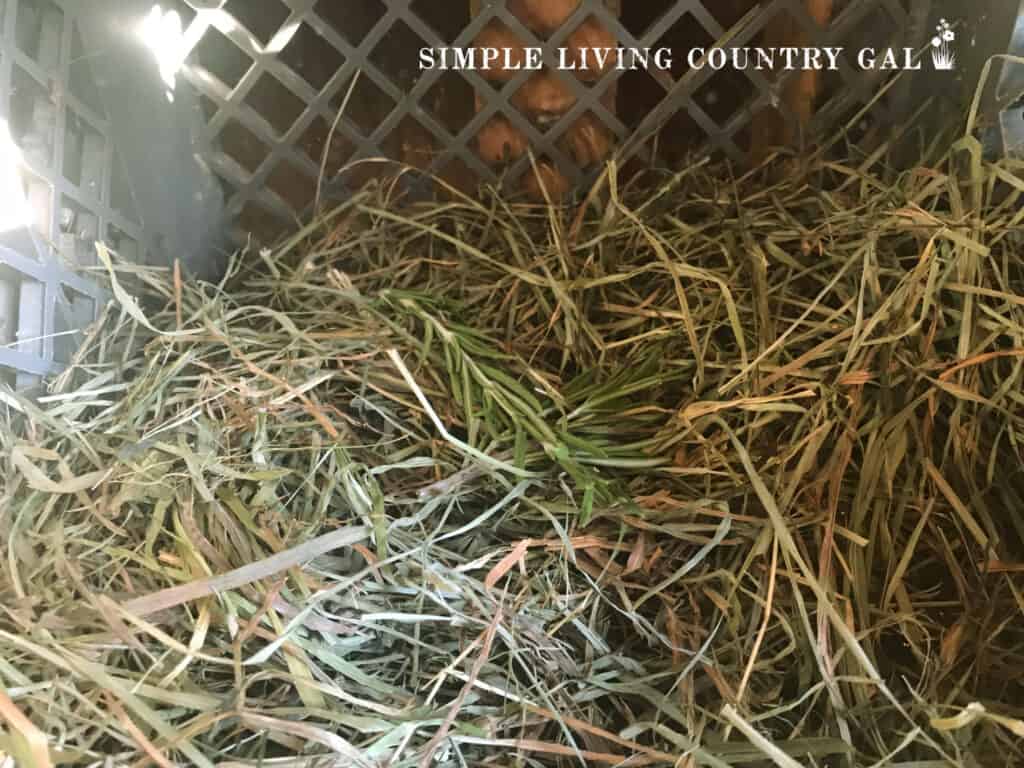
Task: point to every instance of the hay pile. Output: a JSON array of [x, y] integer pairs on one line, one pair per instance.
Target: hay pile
[[723, 473]]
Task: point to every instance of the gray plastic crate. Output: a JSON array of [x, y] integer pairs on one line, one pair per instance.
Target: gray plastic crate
[[238, 152], [103, 156], [73, 181]]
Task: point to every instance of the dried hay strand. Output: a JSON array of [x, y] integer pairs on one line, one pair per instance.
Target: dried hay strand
[[712, 472]]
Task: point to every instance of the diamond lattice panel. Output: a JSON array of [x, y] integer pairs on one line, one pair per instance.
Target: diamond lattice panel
[[300, 85]]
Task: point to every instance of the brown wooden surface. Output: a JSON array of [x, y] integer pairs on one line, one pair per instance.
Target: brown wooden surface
[[545, 97], [800, 92]]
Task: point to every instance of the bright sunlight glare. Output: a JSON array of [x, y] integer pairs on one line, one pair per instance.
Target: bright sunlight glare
[[14, 208], [163, 35]]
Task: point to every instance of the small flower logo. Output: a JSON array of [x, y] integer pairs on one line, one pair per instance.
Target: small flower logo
[[943, 56]]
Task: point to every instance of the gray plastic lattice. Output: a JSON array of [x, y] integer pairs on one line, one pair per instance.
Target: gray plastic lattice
[[278, 108], [74, 184]]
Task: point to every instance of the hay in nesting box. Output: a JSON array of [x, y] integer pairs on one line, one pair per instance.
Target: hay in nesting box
[[727, 473]]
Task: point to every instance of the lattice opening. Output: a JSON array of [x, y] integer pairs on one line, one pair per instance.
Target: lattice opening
[[450, 101], [446, 20], [83, 228], [74, 313], [28, 317], [38, 31], [589, 35], [666, 148], [457, 174], [639, 94], [314, 139], [543, 20], [588, 142], [312, 57], [640, 18], [544, 97], [39, 193], [397, 54], [292, 185], [412, 143], [10, 281], [872, 22], [353, 177], [208, 107], [222, 58], [263, 18], [367, 107], [352, 19], [84, 156], [261, 223], [782, 22], [860, 133], [879, 26], [82, 82], [545, 180], [686, 34], [497, 34], [726, 94], [33, 118], [243, 146], [275, 103], [185, 11], [124, 246], [499, 142]]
